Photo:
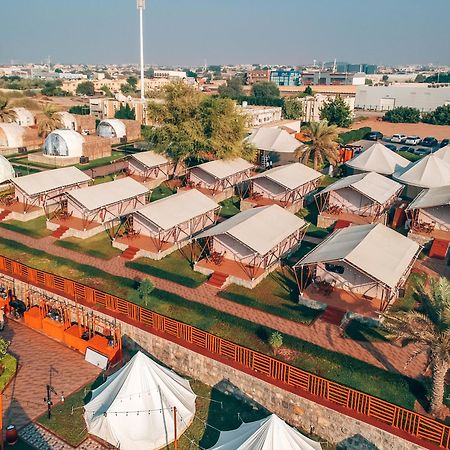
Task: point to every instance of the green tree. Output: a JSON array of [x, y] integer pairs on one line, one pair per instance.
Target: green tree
[[438, 78], [4, 345], [7, 113], [265, 89], [143, 293], [125, 112], [402, 114], [149, 73], [385, 78], [440, 116], [429, 329], [49, 120], [293, 108], [420, 78], [53, 89], [132, 82], [232, 88], [275, 341], [191, 74], [107, 91], [58, 70], [322, 144], [86, 88], [82, 110], [368, 82], [336, 112], [308, 90]]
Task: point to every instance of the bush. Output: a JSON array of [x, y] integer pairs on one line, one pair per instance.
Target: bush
[[440, 116], [82, 110], [275, 341], [354, 135], [402, 114]]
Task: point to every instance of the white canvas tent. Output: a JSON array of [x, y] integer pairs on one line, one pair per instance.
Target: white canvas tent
[[378, 158], [444, 153], [6, 170], [134, 408], [270, 433]]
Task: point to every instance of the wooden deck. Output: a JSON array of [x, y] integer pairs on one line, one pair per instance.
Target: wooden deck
[[19, 207], [75, 223], [265, 201], [229, 267], [145, 243], [353, 218], [442, 235]]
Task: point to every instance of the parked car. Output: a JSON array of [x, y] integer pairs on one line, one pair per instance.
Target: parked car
[[374, 136], [399, 138], [391, 147], [406, 148], [422, 151], [412, 140], [444, 142], [429, 141]]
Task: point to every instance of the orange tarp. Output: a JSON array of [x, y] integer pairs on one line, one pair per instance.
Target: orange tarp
[[72, 337], [33, 318], [53, 328], [100, 344]]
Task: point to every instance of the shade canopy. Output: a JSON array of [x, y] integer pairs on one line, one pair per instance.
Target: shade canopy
[[224, 168], [378, 158], [375, 249], [6, 170], [274, 140], [50, 180], [372, 185], [290, 176], [430, 171], [64, 143], [430, 198], [133, 409], [270, 433], [149, 159], [259, 229]]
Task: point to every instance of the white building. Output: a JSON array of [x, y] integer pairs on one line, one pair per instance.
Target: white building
[[171, 74], [312, 105], [260, 115]]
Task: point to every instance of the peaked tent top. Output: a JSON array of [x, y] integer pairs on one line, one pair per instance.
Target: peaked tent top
[[429, 198], [223, 168], [444, 153], [274, 140], [150, 159]]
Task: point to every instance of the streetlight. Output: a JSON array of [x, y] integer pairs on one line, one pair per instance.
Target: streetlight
[[141, 7]]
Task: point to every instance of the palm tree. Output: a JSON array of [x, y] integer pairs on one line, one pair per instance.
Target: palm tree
[[429, 329], [322, 144], [7, 113], [50, 120]]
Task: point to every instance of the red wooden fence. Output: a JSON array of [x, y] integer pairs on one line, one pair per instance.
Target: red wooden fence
[[410, 423]]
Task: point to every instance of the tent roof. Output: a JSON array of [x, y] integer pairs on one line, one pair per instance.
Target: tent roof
[[274, 140], [133, 409], [428, 198], [149, 159], [270, 433], [377, 250], [23, 114], [6, 170], [173, 210], [430, 171], [14, 134], [66, 118], [73, 139], [370, 184], [444, 153], [100, 195], [291, 176], [117, 125], [378, 158], [260, 229], [49, 180], [224, 168]]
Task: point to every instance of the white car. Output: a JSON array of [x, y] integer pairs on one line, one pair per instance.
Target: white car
[[399, 138], [412, 140]]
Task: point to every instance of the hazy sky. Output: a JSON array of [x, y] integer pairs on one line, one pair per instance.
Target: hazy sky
[[182, 32]]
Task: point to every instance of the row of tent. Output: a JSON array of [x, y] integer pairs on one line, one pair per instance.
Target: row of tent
[[136, 409]]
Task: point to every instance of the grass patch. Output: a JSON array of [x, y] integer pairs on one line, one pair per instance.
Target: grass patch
[[98, 246], [410, 156], [22, 170], [104, 179], [359, 331], [311, 217], [9, 364], [101, 161], [174, 267], [277, 294], [230, 207], [162, 191], [35, 228]]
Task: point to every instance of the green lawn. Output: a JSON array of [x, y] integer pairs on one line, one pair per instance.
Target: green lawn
[[35, 228], [277, 294], [101, 161], [9, 364], [410, 156], [105, 179], [230, 207], [98, 246], [311, 218], [22, 170], [161, 191], [174, 267]]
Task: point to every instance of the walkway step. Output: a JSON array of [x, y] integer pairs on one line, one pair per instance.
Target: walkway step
[[4, 214], [59, 231], [217, 280], [439, 249], [333, 315], [342, 224], [129, 253]]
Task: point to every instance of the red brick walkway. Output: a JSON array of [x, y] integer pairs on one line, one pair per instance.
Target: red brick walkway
[[39, 355], [380, 354]]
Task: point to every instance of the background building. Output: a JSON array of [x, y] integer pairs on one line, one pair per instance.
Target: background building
[[285, 77]]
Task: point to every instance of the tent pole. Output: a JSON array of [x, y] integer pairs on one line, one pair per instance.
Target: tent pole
[[175, 442]]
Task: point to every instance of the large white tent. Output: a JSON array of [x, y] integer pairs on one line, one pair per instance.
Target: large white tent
[[11, 135], [64, 143], [134, 408], [6, 170], [24, 117], [111, 128], [274, 140], [444, 153], [270, 433], [378, 158]]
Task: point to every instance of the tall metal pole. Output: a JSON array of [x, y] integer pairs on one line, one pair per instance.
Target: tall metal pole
[[141, 7], [175, 442]]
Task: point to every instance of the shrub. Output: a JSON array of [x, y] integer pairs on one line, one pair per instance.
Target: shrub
[[402, 114], [354, 135], [440, 116], [275, 341]]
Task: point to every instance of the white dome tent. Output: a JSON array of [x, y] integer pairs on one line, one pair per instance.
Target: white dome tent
[[68, 120], [6, 170], [270, 433], [111, 128], [24, 117], [134, 408], [11, 135], [64, 143]]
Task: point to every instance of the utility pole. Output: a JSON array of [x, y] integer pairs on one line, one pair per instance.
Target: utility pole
[[141, 7], [175, 442]]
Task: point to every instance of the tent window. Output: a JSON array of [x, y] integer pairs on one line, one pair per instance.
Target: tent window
[[55, 145], [334, 268]]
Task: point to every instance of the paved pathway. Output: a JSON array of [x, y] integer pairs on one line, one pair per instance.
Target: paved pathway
[[380, 354], [39, 359]]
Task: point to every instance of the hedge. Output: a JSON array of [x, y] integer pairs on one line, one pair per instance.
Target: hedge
[[354, 135]]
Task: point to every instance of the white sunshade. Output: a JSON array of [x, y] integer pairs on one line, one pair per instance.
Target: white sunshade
[[430, 171], [290, 176], [444, 153], [13, 134], [371, 185], [259, 229], [174, 210], [104, 194], [149, 159], [224, 168], [378, 158], [6, 170], [377, 250], [133, 409], [432, 197], [274, 140], [270, 433], [50, 180]]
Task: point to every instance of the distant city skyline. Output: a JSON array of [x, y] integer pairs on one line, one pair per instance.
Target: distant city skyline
[[186, 33]]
